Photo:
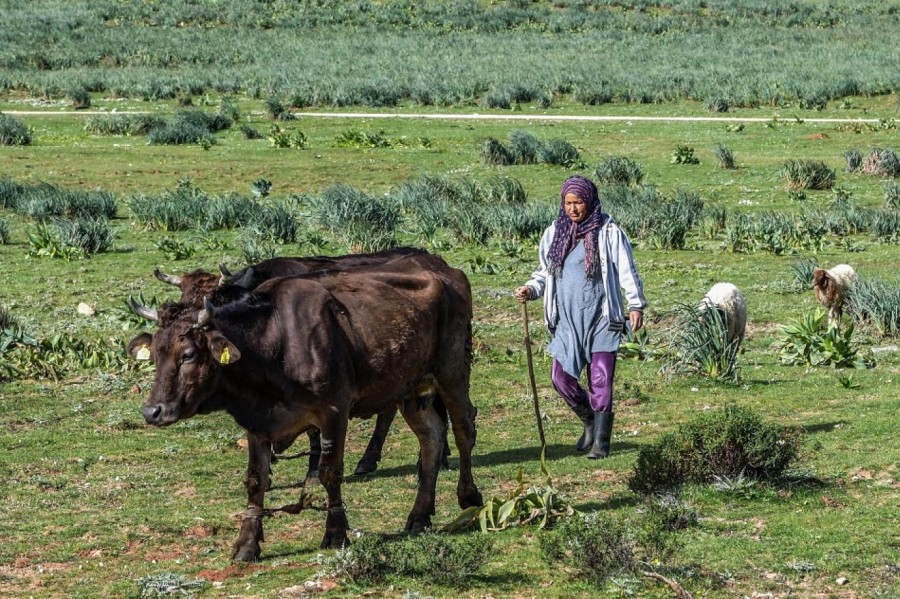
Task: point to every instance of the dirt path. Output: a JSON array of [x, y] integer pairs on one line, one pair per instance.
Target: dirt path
[[484, 117]]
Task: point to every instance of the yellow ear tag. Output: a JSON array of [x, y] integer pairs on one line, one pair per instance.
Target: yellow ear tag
[[143, 353], [225, 358]]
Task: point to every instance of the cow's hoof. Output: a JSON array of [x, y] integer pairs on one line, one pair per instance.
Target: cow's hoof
[[445, 463], [246, 554], [366, 467], [335, 540], [470, 499], [416, 525], [312, 478]]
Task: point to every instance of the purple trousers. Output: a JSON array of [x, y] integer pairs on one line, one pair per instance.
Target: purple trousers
[[601, 371]]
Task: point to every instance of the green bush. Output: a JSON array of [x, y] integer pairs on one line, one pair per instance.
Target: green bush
[[726, 442], [892, 196], [13, 132], [365, 222], [595, 547], [80, 97], [278, 220], [808, 174], [4, 232], [174, 134], [700, 345], [618, 170], [683, 154], [886, 226], [503, 190], [90, 235], [174, 210]]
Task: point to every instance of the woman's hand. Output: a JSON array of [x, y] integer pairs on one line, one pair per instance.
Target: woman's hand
[[524, 293], [636, 318]]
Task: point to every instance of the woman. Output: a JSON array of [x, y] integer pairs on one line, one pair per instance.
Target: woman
[[585, 258]]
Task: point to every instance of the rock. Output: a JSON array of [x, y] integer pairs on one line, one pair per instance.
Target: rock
[[842, 580], [85, 309]]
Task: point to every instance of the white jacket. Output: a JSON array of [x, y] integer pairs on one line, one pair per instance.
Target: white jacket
[[616, 265]]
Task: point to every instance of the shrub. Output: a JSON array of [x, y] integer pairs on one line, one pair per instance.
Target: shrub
[[44, 201], [227, 211], [250, 133], [593, 95], [497, 99], [808, 174], [13, 132], [278, 220], [618, 170], [724, 157], [876, 303], [718, 105], [596, 547], [80, 98], [562, 153], [503, 190], [726, 442], [524, 147], [802, 271], [174, 134], [886, 226], [494, 153], [174, 210]]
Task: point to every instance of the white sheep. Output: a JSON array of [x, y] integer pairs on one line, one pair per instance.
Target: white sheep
[[730, 302], [832, 287]]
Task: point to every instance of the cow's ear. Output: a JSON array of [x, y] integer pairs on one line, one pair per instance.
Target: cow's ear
[[223, 351], [139, 347]]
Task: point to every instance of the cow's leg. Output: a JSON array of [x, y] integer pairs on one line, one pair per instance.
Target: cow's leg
[[315, 454], [455, 396], [370, 459], [331, 475], [430, 428], [246, 548]]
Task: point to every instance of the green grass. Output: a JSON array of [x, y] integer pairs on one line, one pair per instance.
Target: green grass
[[94, 500]]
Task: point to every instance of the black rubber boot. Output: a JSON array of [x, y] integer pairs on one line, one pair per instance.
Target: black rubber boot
[[603, 422], [586, 415]]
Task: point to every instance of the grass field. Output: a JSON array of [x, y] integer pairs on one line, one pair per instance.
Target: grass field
[[95, 501]]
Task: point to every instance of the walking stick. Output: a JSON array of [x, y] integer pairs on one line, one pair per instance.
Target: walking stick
[[534, 394]]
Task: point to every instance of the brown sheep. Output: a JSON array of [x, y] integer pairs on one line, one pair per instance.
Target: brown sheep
[[832, 287]]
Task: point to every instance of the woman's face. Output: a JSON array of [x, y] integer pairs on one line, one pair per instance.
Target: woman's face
[[575, 207]]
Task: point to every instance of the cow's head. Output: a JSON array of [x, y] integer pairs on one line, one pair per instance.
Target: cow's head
[[194, 285], [189, 354]]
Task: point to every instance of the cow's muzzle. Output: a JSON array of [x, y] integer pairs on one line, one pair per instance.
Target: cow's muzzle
[[154, 415]]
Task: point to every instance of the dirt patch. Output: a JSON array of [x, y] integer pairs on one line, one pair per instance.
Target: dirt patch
[[817, 136], [228, 572], [201, 531]]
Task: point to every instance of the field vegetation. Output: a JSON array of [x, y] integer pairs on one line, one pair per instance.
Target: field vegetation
[[764, 468]]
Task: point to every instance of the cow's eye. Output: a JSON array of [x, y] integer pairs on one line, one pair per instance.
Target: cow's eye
[[188, 356]]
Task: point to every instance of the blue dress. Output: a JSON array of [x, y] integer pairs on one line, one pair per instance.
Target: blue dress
[[582, 329]]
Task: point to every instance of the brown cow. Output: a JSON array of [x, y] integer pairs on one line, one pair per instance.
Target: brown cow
[[314, 350], [200, 284]]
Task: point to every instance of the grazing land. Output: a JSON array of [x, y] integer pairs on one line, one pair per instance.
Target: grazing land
[[97, 504]]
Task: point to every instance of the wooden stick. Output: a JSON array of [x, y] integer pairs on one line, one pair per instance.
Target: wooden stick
[[534, 393]]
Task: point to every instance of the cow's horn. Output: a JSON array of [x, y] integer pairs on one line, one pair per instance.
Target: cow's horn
[[224, 270], [206, 314], [170, 279], [142, 311]]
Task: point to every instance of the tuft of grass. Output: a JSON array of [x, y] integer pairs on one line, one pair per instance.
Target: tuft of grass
[[876, 303], [618, 170], [701, 346], [808, 174], [13, 131], [724, 157]]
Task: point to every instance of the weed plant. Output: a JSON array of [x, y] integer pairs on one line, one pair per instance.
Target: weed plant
[[683, 154], [524, 146], [494, 153], [812, 340], [257, 245], [730, 441], [174, 210], [249, 132], [278, 220], [808, 174], [562, 153], [801, 273], [90, 235], [13, 131]]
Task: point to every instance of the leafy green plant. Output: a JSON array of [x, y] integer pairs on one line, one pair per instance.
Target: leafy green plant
[[256, 245], [44, 242], [638, 346], [261, 188], [542, 505], [250, 133], [363, 139], [808, 174], [812, 341], [801, 272], [683, 154], [365, 222], [168, 584], [729, 441], [13, 131], [173, 249]]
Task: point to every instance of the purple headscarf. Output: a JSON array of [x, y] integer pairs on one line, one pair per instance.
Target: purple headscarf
[[568, 231]]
